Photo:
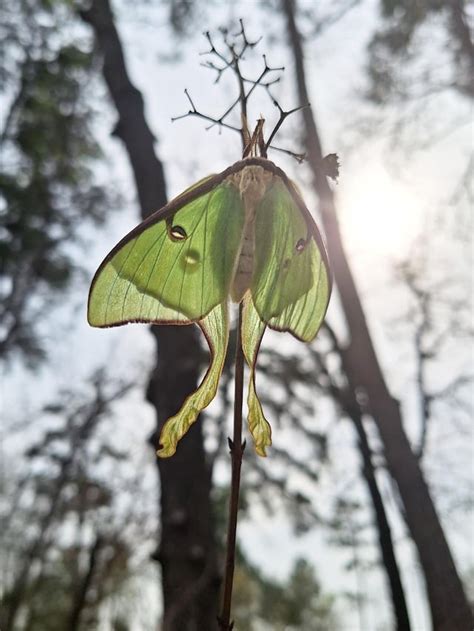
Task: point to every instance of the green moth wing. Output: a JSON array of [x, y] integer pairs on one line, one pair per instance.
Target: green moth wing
[[176, 266], [291, 282]]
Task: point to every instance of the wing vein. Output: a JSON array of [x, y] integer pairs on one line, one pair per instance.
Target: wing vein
[[131, 281], [152, 270], [118, 276]]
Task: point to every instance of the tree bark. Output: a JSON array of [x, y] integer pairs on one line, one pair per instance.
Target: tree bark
[[187, 550], [448, 604]]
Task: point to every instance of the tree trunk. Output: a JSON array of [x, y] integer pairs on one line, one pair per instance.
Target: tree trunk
[[448, 604], [347, 399], [350, 405], [384, 531], [187, 551]]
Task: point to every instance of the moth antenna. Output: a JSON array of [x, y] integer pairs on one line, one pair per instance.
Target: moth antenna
[[260, 139], [255, 141], [245, 131]]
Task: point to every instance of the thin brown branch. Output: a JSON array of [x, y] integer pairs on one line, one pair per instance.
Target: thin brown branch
[[231, 58], [283, 116], [299, 157], [215, 121], [236, 451]]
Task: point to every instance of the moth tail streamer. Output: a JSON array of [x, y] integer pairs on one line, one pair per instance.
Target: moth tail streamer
[[252, 332], [215, 327]]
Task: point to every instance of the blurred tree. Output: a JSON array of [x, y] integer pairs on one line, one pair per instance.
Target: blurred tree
[[348, 531], [75, 503], [259, 602], [448, 604], [297, 604], [438, 313], [320, 364], [398, 50], [48, 153]]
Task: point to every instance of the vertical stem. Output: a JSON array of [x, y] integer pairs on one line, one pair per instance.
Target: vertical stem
[[236, 447]]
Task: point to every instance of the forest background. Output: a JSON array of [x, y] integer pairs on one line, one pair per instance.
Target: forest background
[[337, 525]]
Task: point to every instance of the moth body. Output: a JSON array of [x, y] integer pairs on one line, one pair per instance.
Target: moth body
[[252, 183]]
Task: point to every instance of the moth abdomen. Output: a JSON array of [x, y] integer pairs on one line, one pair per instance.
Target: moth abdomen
[[244, 267], [252, 182]]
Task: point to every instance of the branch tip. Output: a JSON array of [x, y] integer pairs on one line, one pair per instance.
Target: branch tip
[[230, 57]]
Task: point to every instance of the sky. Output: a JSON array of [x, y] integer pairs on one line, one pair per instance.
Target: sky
[[387, 198]]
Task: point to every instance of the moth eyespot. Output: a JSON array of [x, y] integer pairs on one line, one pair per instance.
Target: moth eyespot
[[191, 258], [177, 233], [300, 245]]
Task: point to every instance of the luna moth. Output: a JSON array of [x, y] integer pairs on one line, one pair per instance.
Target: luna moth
[[243, 235]]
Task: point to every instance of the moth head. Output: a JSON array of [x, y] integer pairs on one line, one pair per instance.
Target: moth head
[[253, 184]]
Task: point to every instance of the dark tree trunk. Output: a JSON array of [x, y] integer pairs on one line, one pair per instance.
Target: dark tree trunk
[[449, 607], [347, 399], [400, 610], [187, 550]]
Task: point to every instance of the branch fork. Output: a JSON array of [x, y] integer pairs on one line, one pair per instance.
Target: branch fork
[[231, 58]]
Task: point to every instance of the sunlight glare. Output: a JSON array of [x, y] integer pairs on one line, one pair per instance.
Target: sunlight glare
[[379, 216]]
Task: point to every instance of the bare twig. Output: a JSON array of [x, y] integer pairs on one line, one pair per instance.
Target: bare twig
[[283, 116], [215, 121], [236, 447], [231, 58]]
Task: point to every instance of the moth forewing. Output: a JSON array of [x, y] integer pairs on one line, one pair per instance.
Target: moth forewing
[[125, 290], [178, 261]]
